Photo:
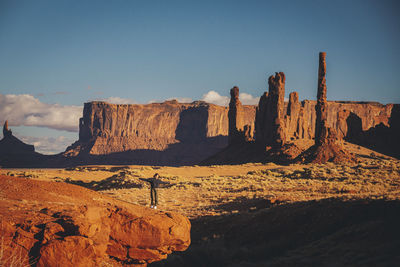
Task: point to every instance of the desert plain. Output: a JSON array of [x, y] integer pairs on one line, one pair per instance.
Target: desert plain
[[264, 214]]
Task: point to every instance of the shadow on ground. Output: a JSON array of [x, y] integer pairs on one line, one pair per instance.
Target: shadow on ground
[[328, 232], [124, 179]]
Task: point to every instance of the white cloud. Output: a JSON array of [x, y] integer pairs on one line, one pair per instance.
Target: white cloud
[[118, 100], [248, 99], [48, 145], [29, 111], [215, 98]]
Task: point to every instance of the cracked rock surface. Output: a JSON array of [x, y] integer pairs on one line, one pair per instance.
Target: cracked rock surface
[[57, 224]]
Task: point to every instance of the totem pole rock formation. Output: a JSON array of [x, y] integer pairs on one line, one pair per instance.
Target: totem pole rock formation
[[235, 115], [321, 127], [328, 144], [270, 113]]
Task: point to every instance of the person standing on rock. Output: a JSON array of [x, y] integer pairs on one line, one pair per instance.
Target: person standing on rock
[[154, 183]]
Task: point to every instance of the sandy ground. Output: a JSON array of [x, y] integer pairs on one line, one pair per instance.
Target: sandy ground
[[197, 191]]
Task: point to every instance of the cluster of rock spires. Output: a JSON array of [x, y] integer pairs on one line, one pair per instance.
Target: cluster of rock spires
[[274, 128]]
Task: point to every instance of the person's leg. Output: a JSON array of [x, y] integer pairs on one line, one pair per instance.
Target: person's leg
[[155, 198], [151, 196]]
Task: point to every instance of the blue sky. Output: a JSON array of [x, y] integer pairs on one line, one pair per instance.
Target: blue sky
[[60, 54]]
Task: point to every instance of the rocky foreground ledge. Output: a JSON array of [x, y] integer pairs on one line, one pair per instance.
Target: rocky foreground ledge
[[57, 224]]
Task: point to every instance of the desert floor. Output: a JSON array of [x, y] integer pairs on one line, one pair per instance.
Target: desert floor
[[212, 194]]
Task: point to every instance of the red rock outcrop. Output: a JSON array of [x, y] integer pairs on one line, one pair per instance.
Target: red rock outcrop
[[328, 144], [292, 117], [238, 131], [57, 224], [382, 137], [173, 133], [270, 113], [235, 116], [168, 133], [370, 113], [321, 110]]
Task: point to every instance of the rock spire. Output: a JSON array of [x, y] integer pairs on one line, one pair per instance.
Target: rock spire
[[235, 116], [321, 125], [6, 132], [270, 113]]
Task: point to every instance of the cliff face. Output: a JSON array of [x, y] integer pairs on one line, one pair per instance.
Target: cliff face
[[300, 123], [173, 133], [160, 133]]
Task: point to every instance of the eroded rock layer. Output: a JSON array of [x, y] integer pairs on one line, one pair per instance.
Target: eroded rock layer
[[153, 126], [173, 133], [57, 224], [168, 133]]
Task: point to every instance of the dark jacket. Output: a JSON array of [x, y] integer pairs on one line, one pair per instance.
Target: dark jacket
[[154, 183]]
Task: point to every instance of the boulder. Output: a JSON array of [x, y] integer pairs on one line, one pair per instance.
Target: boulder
[[57, 224]]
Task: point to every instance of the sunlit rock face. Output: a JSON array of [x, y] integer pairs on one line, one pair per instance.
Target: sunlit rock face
[[160, 133], [173, 133], [59, 224]]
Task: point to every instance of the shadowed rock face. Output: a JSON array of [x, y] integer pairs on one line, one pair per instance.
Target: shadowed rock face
[[382, 137], [260, 118], [74, 226], [292, 117], [235, 116], [270, 113], [6, 132], [11, 145]]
